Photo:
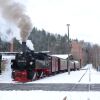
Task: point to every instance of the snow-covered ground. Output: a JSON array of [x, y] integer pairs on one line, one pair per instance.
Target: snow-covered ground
[[48, 95], [52, 95]]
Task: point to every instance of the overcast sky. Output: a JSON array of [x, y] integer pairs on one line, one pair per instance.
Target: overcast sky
[[53, 15]]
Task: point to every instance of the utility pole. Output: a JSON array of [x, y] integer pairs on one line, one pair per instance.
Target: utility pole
[[68, 51]]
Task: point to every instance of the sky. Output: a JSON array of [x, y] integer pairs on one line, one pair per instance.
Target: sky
[[53, 15]]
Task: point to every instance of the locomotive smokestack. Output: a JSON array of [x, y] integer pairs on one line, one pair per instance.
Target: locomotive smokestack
[[23, 47]]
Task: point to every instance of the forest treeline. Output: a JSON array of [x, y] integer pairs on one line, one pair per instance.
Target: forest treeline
[[56, 44], [45, 41], [42, 40]]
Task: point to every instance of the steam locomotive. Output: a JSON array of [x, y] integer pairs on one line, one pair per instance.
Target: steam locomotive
[[29, 65]]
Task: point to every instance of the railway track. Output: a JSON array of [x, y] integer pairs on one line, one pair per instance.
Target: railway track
[[83, 75], [49, 87], [56, 86], [76, 86], [79, 86]]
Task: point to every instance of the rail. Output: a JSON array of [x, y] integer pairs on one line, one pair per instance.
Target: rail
[[75, 85]]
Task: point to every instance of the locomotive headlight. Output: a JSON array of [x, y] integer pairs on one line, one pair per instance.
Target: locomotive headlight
[[31, 63]]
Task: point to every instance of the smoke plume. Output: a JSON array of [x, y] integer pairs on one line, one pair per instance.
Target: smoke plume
[[14, 13]]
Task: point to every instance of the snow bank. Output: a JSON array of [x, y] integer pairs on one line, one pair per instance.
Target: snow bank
[[6, 75], [48, 95]]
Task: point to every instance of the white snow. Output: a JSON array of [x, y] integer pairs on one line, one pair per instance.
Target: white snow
[[6, 75], [62, 56], [52, 95], [48, 95]]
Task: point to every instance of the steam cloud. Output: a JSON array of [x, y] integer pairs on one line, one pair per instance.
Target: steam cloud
[[15, 13]]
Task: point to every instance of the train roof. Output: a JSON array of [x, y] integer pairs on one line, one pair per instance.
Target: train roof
[[61, 56]]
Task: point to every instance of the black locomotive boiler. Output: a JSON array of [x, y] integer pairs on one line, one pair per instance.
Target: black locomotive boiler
[[29, 65]]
